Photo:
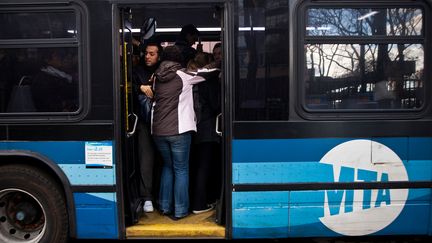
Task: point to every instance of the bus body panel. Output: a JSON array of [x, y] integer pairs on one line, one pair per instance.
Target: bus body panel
[[379, 210], [96, 212], [97, 215], [272, 217], [395, 171]]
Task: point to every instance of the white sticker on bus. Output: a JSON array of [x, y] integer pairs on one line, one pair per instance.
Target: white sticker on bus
[[99, 154], [362, 212]]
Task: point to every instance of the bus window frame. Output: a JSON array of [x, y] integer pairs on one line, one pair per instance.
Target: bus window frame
[[359, 114], [80, 42]]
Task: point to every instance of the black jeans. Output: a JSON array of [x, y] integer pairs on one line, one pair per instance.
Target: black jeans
[[146, 156], [205, 168]]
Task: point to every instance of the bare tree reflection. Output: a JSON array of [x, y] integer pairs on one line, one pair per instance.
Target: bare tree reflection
[[347, 74]]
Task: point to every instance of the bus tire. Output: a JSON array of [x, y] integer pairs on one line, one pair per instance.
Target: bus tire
[[32, 206]]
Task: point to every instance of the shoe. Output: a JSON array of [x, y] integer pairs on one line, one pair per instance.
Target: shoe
[[210, 207], [148, 207], [214, 204], [177, 218]]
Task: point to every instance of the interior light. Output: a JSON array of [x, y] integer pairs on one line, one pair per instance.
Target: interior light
[[202, 29]]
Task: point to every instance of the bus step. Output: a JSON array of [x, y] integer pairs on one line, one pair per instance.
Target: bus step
[[154, 225]]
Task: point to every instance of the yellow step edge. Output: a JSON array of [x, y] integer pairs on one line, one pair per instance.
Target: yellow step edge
[[154, 225]]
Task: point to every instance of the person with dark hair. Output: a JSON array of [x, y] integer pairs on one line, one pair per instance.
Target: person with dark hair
[[172, 126], [53, 89], [142, 84], [205, 141], [217, 52], [188, 36]]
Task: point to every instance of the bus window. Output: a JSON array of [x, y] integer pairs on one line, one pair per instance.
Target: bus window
[[45, 82], [261, 35], [44, 25], [39, 62], [373, 72]]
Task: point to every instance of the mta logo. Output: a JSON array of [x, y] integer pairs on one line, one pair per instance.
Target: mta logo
[[363, 211], [347, 175]]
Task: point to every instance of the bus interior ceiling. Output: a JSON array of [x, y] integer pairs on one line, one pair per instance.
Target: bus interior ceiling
[[174, 17]]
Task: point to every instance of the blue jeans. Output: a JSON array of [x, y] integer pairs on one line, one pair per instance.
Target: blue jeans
[[174, 185]]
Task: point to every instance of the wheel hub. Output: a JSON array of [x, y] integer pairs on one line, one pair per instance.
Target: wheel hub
[[21, 217]]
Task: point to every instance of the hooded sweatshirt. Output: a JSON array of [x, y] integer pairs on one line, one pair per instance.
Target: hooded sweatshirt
[[173, 111]]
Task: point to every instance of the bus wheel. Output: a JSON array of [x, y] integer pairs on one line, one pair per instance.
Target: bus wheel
[[32, 207]]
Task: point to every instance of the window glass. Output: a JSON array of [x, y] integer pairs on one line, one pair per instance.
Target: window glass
[[370, 76], [370, 73], [364, 22], [262, 49], [37, 25], [39, 80]]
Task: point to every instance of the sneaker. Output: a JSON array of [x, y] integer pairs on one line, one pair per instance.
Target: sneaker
[[214, 204], [165, 213], [148, 207], [210, 207]]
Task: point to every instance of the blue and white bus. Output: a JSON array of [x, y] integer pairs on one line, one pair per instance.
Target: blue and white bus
[[326, 123]]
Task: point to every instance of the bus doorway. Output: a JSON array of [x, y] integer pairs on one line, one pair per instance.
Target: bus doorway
[[207, 18]]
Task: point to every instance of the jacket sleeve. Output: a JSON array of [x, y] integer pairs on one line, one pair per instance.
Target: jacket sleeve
[[135, 84], [208, 74], [200, 76]]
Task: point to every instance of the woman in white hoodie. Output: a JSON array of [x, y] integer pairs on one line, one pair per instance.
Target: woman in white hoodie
[[173, 121]]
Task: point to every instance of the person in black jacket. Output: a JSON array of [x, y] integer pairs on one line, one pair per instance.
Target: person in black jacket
[[142, 85], [53, 89], [188, 36], [206, 141]]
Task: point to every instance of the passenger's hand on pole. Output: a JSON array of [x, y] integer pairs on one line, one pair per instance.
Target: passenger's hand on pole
[[135, 42]]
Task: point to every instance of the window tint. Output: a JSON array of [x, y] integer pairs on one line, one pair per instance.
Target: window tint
[[39, 64], [37, 25], [371, 73], [261, 35], [352, 76], [364, 22], [38, 80]]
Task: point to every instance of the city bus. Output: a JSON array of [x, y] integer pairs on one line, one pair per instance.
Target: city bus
[[325, 125]]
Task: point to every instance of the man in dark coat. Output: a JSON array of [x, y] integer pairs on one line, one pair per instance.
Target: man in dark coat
[[187, 38]]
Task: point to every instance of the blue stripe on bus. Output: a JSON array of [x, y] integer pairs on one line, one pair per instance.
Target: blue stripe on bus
[[277, 150], [282, 172], [81, 175], [297, 160], [96, 215], [296, 214], [267, 211], [420, 148], [70, 157], [299, 150], [61, 152], [313, 171]]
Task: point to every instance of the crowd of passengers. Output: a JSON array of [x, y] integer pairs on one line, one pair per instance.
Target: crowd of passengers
[[178, 92]]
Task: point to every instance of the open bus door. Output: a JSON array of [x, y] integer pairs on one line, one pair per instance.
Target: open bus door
[[133, 203], [129, 120], [210, 224]]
